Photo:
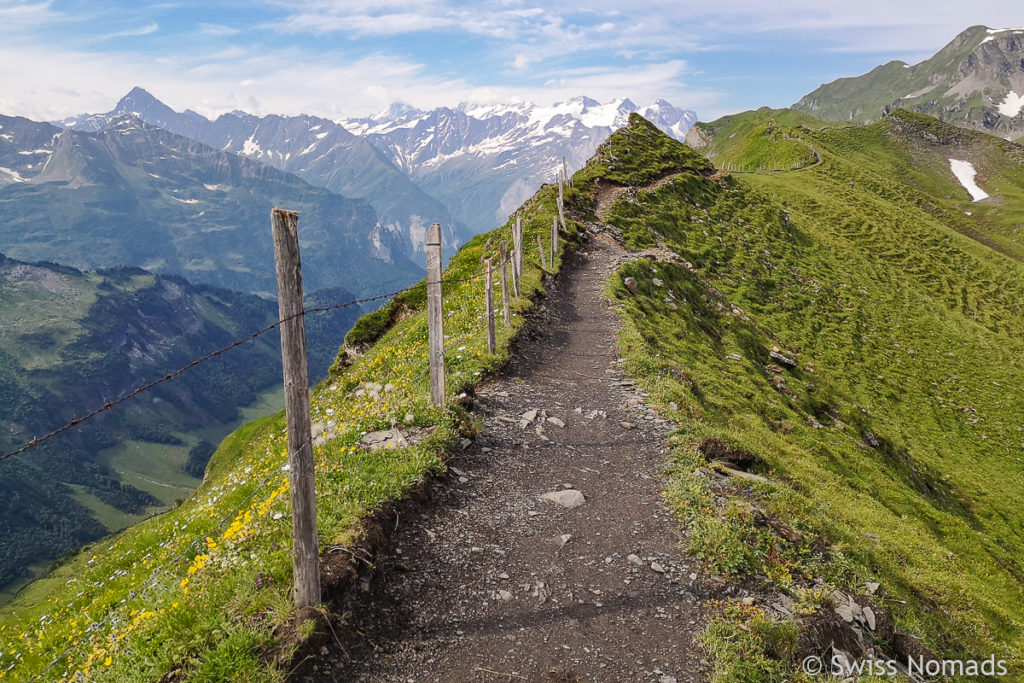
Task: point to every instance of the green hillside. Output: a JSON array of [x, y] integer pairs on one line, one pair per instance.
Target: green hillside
[[893, 444], [71, 341], [757, 141], [847, 331]]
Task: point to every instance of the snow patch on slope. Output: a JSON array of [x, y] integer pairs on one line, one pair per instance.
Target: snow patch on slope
[[993, 31], [1011, 104], [251, 147], [14, 175], [965, 173]]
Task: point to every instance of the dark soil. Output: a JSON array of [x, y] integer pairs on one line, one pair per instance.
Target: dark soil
[[487, 582]]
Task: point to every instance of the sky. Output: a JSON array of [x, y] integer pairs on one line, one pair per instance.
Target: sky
[[355, 57]]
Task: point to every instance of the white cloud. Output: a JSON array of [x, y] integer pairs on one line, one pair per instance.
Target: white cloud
[[289, 81], [15, 14], [646, 26], [395, 23], [522, 61], [217, 30], [506, 50], [140, 31]]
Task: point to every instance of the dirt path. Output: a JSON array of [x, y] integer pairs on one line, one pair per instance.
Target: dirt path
[[489, 582], [608, 194]]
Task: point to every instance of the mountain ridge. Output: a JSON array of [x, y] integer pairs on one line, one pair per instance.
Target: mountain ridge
[[474, 162], [485, 160], [136, 194], [318, 150], [975, 81]]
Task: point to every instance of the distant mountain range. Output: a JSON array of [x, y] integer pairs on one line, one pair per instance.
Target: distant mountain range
[[976, 81], [466, 168], [134, 194], [318, 150], [484, 161]]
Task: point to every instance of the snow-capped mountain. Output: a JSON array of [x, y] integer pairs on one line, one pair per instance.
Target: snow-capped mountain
[[135, 194], [482, 161], [466, 167], [318, 150]]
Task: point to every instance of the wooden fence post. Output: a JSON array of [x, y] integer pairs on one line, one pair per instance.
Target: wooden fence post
[[519, 248], [435, 315], [506, 305], [554, 240], [565, 172], [515, 257], [489, 291], [561, 205], [540, 248], [305, 546]]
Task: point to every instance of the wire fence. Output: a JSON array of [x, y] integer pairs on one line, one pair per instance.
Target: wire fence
[[116, 613], [75, 422]]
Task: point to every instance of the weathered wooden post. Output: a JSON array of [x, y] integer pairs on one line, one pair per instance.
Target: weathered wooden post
[[435, 315], [516, 246], [554, 240], [305, 545], [565, 172], [561, 205], [506, 305], [519, 247], [540, 248], [489, 291]]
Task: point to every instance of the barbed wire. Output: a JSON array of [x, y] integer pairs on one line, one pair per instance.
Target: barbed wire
[[75, 422]]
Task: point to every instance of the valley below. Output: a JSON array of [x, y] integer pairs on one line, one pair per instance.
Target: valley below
[[156, 469]]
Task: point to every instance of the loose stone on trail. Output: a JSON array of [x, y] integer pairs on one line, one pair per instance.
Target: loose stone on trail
[[568, 498]]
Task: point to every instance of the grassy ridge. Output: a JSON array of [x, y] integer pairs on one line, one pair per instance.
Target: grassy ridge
[[759, 140], [200, 591], [894, 443]]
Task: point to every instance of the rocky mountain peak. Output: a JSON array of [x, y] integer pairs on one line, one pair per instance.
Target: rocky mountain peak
[[138, 97], [627, 105], [585, 101], [396, 110], [975, 81]]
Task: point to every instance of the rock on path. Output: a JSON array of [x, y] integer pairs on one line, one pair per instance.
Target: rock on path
[[490, 583]]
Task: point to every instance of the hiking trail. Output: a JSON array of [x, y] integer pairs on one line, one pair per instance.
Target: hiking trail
[[489, 582]]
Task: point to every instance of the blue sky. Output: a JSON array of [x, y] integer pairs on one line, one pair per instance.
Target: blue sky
[[340, 59]]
